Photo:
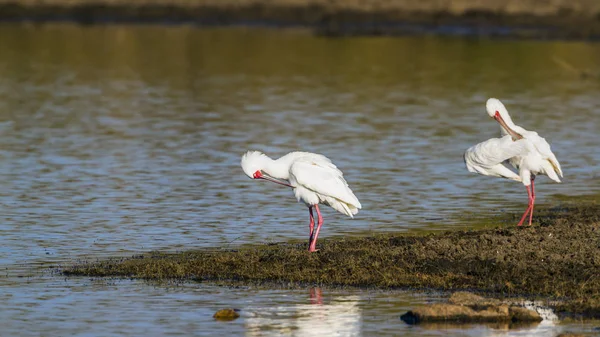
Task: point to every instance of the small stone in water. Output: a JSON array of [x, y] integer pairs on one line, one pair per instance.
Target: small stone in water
[[226, 314]]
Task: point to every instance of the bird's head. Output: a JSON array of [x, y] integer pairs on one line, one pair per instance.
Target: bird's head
[[497, 111], [495, 108], [253, 163]]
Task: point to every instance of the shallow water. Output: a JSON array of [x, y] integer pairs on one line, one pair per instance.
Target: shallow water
[[125, 139], [88, 307]]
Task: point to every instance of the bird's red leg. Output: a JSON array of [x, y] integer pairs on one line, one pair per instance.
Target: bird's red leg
[[532, 198], [529, 205], [311, 226], [313, 244]]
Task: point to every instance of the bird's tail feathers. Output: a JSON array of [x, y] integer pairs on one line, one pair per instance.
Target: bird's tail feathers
[[550, 170], [342, 207], [556, 167]]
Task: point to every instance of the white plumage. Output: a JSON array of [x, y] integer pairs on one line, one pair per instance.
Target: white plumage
[[524, 150], [487, 158], [314, 178], [321, 182], [337, 317]]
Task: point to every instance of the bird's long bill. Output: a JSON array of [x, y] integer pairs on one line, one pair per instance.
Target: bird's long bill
[[275, 180], [510, 131]]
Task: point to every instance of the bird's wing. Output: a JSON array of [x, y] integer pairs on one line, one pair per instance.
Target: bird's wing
[[544, 149], [317, 158], [497, 150], [487, 157], [323, 178]]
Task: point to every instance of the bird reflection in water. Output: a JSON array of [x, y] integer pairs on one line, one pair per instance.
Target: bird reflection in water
[[340, 316], [316, 296]]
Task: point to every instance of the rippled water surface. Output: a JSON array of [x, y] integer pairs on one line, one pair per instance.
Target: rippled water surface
[[125, 139]]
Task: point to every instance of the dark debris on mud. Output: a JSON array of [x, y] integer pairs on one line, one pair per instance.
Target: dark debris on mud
[[559, 257]]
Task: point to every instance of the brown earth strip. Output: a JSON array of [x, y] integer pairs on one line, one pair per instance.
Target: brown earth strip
[[558, 258], [465, 307], [524, 18]]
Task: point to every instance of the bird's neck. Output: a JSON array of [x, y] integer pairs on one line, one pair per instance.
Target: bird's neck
[[279, 168], [506, 117]]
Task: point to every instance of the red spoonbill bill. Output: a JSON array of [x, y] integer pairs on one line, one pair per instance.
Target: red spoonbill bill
[[525, 150], [314, 179]]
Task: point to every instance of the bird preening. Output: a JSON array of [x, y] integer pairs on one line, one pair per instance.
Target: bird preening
[[314, 179], [525, 150]]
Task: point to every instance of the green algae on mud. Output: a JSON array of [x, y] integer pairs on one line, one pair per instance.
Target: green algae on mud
[[558, 257]]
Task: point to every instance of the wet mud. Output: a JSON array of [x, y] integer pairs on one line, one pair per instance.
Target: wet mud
[[558, 258], [465, 307]]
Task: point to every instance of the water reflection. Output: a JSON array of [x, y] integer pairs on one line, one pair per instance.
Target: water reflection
[[339, 316], [108, 307]]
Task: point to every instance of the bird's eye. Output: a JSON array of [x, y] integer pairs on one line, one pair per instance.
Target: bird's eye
[[257, 174]]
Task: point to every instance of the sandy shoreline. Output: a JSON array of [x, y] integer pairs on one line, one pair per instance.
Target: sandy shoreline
[[577, 19]]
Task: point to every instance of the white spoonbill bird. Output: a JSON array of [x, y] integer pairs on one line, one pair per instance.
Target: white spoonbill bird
[[524, 150], [314, 178]]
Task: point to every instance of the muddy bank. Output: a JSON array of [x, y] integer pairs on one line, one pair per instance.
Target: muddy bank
[[526, 18], [465, 307], [559, 257]]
